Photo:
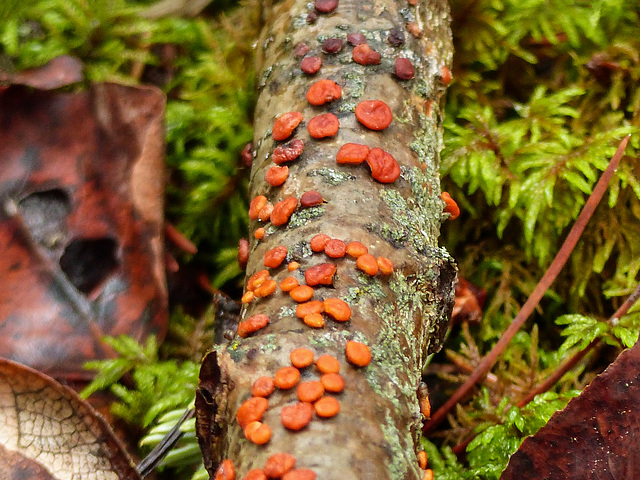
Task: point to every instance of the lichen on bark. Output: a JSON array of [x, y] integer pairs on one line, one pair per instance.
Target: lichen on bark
[[401, 317]]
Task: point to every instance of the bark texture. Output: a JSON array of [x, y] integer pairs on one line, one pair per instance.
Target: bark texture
[[402, 317]]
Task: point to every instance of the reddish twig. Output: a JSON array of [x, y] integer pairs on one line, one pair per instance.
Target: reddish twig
[[568, 365], [547, 279]]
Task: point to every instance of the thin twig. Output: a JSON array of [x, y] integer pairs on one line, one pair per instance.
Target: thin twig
[[547, 279], [568, 365]]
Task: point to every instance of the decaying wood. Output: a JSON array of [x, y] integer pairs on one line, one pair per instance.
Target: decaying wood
[[402, 317]]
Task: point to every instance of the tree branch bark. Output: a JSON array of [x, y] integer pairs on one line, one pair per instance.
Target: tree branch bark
[[402, 317]]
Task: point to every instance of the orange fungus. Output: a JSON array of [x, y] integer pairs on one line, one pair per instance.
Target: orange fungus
[[285, 124], [374, 114], [323, 91], [322, 126]]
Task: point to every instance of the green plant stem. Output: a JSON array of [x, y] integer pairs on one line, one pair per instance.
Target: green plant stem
[[532, 302]]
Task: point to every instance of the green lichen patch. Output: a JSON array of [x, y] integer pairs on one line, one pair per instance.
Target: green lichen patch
[[331, 176], [303, 216]]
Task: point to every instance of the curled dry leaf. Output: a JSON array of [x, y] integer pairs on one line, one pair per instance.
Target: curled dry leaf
[[81, 189], [49, 433]]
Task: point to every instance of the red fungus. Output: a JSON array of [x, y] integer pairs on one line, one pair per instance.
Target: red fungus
[[332, 382], [287, 377], [274, 257], [297, 416], [445, 74], [364, 55], [451, 207], [301, 49], [395, 37], [257, 279], [301, 293], [385, 265], [422, 459], [258, 433], [288, 152], [325, 6], [276, 176], [265, 212], [327, 407], [335, 248], [323, 91], [283, 210], [357, 353], [285, 124], [247, 155], [374, 114], [266, 289], [255, 474], [263, 387], [322, 126], [279, 464], [352, 153], [332, 45], [314, 320], [300, 474], [309, 391], [252, 324], [310, 199], [404, 69], [301, 357], [338, 309], [328, 364], [368, 264], [259, 233], [320, 274], [356, 39], [251, 411], [288, 284], [256, 205], [304, 309], [243, 253], [414, 29], [318, 242], [311, 65], [225, 471], [356, 249], [384, 168], [293, 266]]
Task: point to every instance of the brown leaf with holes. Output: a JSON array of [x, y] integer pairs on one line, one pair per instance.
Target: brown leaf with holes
[[597, 436], [81, 187], [49, 433]]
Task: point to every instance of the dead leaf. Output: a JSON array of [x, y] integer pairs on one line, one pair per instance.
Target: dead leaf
[[597, 436], [58, 72], [81, 188], [48, 432]]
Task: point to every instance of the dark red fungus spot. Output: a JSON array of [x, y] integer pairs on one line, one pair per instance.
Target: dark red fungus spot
[[311, 65], [247, 155], [384, 168], [356, 38], [312, 17], [446, 75], [325, 6], [404, 69], [300, 50], [310, 199], [395, 37], [285, 124], [364, 55], [288, 152], [332, 45], [374, 114], [323, 91], [325, 125]]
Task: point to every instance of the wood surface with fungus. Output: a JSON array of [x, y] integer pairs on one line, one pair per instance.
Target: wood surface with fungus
[[332, 339]]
